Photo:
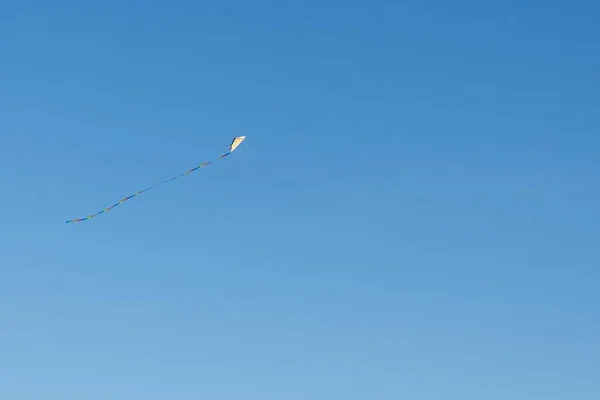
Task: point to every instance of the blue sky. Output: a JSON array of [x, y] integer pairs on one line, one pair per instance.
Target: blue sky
[[416, 217]]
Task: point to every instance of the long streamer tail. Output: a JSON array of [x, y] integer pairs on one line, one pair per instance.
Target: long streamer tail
[[149, 188]]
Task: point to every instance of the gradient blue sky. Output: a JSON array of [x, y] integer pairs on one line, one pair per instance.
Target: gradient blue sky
[[417, 217]]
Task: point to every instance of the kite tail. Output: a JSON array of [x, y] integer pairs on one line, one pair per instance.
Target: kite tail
[[150, 188]]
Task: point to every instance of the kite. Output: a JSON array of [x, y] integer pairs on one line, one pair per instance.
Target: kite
[[236, 142], [232, 146]]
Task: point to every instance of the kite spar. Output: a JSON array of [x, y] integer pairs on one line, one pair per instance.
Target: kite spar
[[232, 146]]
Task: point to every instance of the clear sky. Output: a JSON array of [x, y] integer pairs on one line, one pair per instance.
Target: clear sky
[[416, 217]]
